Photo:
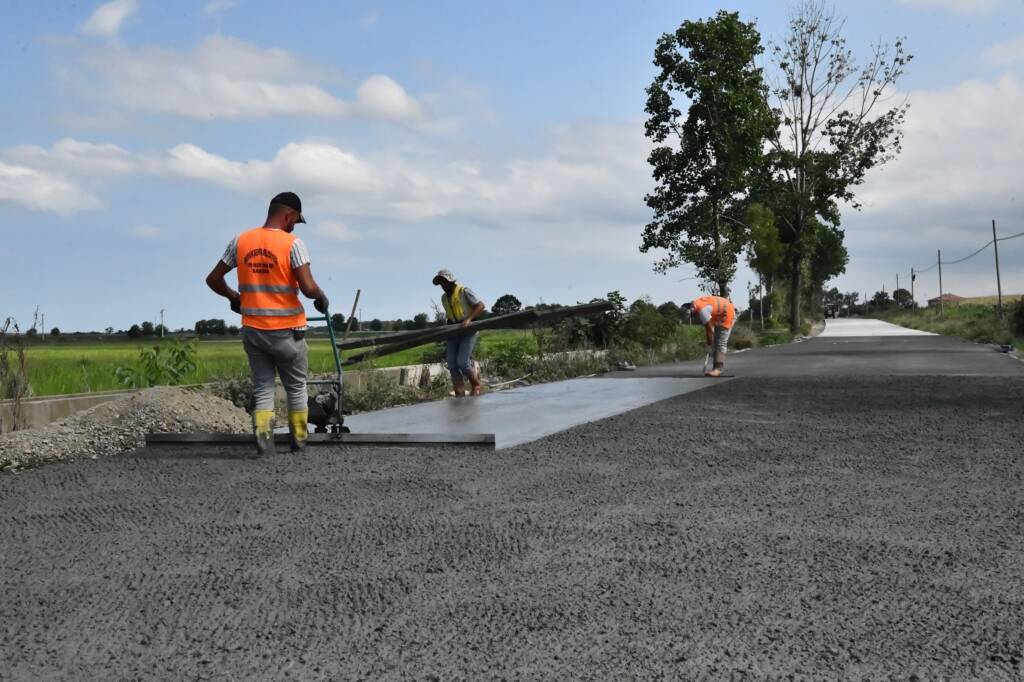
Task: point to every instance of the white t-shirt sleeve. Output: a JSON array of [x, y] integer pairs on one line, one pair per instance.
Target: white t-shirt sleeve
[[230, 257], [299, 255], [705, 314]]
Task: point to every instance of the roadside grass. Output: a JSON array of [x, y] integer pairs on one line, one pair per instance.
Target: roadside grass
[[62, 367], [991, 300], [970, 321]]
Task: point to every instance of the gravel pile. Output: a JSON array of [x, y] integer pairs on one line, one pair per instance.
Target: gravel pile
[[120, 426]]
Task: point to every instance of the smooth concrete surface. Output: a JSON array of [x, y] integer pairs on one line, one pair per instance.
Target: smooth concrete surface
[[525, 414], [855, 356], [867, 327]]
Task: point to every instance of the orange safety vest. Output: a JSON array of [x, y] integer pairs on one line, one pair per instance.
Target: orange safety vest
[[266, 283], [723, 313]]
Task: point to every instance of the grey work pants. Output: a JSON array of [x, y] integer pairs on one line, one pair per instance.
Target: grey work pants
[[721, 345], [277, 351]]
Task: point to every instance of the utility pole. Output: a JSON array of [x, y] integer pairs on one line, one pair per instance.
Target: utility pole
[[43, 330], [999, 284], [760, 296], [941, 311], [913, 301], [750, 308], [161, 323]]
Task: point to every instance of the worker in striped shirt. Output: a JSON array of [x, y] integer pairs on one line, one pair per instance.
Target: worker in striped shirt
[[273, 266]]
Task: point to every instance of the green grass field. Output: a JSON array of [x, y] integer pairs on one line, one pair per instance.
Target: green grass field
[[62, 367], [972, 322]]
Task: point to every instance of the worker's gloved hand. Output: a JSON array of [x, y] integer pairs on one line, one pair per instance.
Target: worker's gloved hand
[[321, 304], [708, 349], [236, 306]]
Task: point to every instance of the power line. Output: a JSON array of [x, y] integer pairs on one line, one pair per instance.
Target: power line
[[1012, 236], [961, 260]]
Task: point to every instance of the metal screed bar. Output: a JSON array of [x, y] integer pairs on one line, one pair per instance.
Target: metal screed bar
[[474, 439]]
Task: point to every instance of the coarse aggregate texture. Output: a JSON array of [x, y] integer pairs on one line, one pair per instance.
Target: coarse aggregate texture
[[120, 426], [782, 528]]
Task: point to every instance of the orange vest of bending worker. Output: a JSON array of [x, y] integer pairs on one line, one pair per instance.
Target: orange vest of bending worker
[[266, 283], [723, 313]]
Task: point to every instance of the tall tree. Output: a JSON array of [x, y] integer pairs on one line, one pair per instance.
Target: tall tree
[[703, 179], [829, 256], [834, 127], [765, 250], [903, 298], [506, 304]]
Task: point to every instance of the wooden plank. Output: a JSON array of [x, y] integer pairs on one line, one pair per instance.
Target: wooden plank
[[510, 321], [502, 322], [212, 438]]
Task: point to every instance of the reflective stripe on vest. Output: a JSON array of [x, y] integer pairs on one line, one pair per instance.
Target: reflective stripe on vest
[[453, 304], [266, 282], [273, 312], [267, 289]]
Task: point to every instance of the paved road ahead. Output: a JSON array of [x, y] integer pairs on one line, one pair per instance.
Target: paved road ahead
[[847, 507], [877, 349]]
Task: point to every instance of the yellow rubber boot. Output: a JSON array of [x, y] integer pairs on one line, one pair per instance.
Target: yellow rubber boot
[[263, 427], [298, 426]]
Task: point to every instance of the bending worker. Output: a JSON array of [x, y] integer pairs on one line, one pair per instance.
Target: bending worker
[[273, 266], [461, 306], [717, 314]]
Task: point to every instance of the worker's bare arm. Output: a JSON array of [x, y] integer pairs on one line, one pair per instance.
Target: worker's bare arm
[[307, 284], [477, 309], [215, 280]]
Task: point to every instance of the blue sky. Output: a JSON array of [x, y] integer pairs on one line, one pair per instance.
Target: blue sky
[[501, 140]]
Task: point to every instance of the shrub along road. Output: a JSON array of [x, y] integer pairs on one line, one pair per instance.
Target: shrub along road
[[846, 507]]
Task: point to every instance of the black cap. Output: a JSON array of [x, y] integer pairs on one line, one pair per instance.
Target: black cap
[[291, 200]]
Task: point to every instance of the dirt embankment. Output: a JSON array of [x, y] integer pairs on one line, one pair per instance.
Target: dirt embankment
[[120, 426]]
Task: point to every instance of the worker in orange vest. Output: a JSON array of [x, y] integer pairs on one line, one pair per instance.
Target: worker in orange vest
[[717, 314], [273, 266]]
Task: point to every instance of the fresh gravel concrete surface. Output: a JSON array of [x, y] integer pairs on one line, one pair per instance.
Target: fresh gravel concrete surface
[[783, 527], [520, 415]]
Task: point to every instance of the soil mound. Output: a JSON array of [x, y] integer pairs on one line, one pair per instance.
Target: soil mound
[[120, 426]]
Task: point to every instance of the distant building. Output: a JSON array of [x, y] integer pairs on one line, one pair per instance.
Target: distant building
[[946, 299]]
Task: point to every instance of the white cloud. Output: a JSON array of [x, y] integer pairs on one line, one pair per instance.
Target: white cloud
[[379, 96], [146, 232], [962, 146], [956, 6], [218, 6], [69, 155], [42, 191], [190, 161], [336, 230], [1007, 53], [960, 168], [594, 178], [106, 20], [224, 77]]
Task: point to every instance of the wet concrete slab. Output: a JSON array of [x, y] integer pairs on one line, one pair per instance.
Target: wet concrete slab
[[845, 327], [525, 414]]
